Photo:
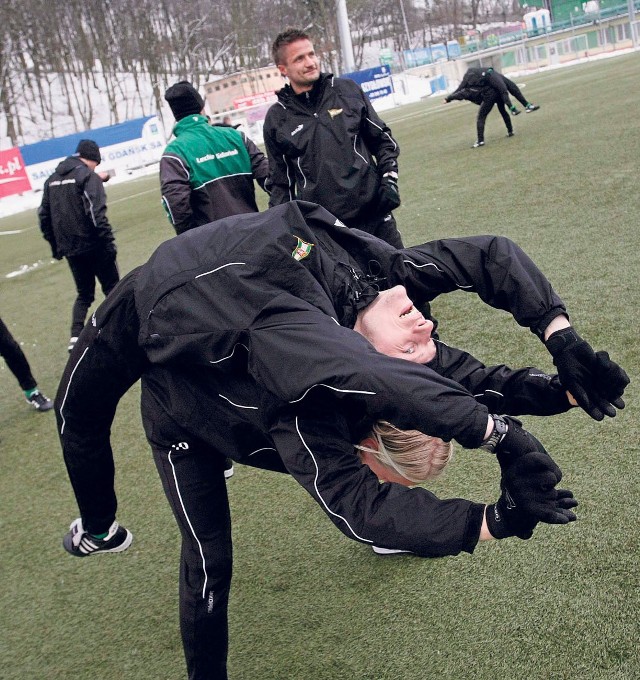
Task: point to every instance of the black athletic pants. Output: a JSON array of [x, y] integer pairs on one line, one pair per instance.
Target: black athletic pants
[[193, 479], [382, 226], [15, 358], [86, 268], [515, 91], [493, 99]]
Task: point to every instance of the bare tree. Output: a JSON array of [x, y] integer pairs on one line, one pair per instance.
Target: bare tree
[[58, 61]]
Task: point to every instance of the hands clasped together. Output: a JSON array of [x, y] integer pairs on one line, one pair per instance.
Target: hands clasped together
[[529, 475]]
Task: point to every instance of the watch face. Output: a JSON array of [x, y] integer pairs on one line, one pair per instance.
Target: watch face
[[500, 426]]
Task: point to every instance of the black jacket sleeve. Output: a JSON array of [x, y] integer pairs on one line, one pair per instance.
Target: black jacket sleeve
[[378, 139], [104, 364], [316, 449], [44, 217], [500, 388], [281, 181], [95, 206], [296, 351], [259, 162], [493, 267], [175, 188]]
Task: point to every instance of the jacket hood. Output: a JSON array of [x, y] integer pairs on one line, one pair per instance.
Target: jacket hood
[[69, 165], [297, 247], [211, 291]]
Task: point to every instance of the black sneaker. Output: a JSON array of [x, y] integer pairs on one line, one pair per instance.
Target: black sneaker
[[514, 111], [39, 401], [228, 468], [531, 107], [477, 144], [79, 543], [511, 133]]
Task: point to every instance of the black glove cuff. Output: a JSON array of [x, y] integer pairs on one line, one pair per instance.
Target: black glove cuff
[[559, 341], [497, 522]]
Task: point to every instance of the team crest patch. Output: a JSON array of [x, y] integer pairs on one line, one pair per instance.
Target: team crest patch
[[334, 112], [302, 250]]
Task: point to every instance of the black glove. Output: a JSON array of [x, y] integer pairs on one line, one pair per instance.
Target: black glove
[[505, 519], [596, 382], [55, 255], [515, 443], [389, 193], [529, 496]]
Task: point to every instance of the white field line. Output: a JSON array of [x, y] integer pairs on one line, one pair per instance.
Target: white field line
[[117, 200]]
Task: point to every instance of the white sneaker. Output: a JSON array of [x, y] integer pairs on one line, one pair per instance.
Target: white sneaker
[[388, 551], [228, 468]]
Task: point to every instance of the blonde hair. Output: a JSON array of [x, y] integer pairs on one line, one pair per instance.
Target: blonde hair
[[411, 453]]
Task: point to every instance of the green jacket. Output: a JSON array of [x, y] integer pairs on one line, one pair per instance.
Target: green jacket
[[207, 173]]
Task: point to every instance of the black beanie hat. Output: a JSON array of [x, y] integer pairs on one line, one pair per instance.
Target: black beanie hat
[[184, 99], [88, 149]]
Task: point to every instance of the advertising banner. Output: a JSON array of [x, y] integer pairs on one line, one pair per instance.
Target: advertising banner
[[13, 173], [376, 82], [124, 147], [254, 100]]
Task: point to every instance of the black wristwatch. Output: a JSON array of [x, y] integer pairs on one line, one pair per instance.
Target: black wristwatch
[[500, 429]]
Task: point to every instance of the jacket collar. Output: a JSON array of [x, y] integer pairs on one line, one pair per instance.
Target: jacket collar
[[189, 122], [287, 96]]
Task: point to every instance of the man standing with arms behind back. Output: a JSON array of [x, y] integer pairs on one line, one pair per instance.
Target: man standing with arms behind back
[[327, 145], [73, 219]]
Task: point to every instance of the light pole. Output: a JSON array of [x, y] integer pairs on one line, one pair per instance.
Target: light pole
[[406, 28], [345, 36]]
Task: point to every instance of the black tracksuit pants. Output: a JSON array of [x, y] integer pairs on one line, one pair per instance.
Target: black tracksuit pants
[[382, 226], [491, 99], [515, 91], [192, 475], [86, 268], [15, 358]]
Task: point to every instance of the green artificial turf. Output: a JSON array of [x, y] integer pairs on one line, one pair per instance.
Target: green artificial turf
[[307, 602]]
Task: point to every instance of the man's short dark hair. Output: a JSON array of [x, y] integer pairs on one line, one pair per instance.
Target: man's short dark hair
[[290, 35]]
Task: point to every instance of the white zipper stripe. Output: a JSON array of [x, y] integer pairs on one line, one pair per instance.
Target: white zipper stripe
[[253, 408]]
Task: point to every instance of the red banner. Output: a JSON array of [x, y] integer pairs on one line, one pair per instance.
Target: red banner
[[13, 174]]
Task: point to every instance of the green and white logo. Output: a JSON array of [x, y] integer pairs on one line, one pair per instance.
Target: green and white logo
[[302, 250]]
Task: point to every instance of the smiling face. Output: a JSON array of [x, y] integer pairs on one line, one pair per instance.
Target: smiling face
[[299, 63], [396, 328]]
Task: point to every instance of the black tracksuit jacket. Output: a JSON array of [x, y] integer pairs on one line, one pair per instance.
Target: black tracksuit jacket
[[73, 211], [330, 147], [242, 332]]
